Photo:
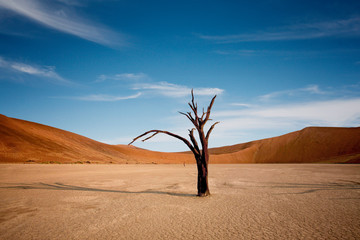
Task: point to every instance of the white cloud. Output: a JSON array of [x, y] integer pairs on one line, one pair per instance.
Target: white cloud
[[329, 113], [258, 122], [141, 81], [337, 113], [241, 105], [174, 90], [122, 76], [47, 72], [312, 89], [263, 119], [105, 98], [61, 17], [339, 28], [130, 76]]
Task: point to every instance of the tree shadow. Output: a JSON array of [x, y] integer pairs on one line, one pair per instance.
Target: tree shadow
[[61, 186], [304, 187]]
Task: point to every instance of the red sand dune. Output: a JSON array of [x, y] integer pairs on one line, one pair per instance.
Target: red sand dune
[[23, 141]]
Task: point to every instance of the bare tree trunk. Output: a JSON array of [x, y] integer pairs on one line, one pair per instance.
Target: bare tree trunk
[[201, 155], [202, 185]]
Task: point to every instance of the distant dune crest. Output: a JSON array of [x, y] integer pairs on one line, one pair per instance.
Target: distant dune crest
[[22, 141]]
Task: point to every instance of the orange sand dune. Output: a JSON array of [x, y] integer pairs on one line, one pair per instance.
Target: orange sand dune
[[23, 141], [312, 144]]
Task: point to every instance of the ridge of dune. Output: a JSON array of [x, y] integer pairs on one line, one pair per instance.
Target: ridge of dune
[[24, 141]]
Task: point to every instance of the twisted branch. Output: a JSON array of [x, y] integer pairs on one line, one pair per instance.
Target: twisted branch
[[196, 121], [165, 132]]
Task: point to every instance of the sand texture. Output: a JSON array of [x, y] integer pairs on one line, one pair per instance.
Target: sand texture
[[258, 201], [23, 141]]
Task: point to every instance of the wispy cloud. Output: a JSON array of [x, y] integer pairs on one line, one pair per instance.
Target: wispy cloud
[[122, 76], [246, 105], [59, 15], [20, 69], [104, 97], [286, 53], [312, 89], [174, 90], [260, 122], [294, 110], [336, 112], [143, 83], [340, 28]]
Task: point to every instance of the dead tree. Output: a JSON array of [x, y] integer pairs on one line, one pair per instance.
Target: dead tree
[[201, 155]]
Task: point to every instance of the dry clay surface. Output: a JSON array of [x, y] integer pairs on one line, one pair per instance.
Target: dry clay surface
[[267, 201]]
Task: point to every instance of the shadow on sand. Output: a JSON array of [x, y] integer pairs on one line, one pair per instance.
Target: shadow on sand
[[60, 186], [303, 188]]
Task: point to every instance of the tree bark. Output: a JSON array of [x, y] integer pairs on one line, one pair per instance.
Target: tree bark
[[202, 185]]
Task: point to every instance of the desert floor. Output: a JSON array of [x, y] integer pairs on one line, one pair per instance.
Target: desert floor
[[267, 201]]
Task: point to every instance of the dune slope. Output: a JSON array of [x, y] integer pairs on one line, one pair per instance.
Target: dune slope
[[312, 144], [23, 141]]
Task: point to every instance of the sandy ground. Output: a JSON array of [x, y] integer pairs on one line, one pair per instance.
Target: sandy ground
[[276, 201]]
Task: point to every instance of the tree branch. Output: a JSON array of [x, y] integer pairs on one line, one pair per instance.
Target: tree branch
[[209, 109], [165, 132], [149, 137], [203, 114], [192, 108], [192, 97], [193, 140], [210, 129], [193, 105], [188, 115], [199, 124]]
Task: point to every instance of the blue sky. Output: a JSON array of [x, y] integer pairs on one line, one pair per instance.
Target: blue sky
[[111, 70]]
